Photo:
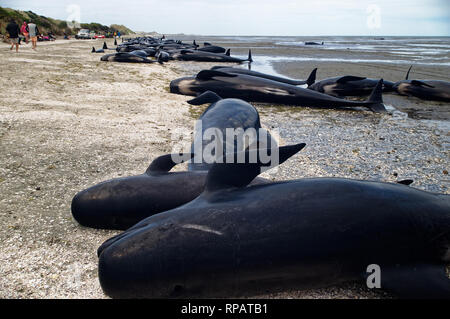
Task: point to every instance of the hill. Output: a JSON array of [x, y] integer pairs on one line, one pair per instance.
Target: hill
[[58, 27]]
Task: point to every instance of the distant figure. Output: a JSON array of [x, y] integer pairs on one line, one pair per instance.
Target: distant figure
[[13, 29], [24, 31], [118, 34], [33, 32], [115, 34]]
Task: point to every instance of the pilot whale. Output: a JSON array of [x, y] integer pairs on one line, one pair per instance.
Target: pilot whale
[[424, 89], [223, 115], [122, 202], [204, 56], [257, 89], [301, 234], [127, 57], [349, 85], [309, 81]]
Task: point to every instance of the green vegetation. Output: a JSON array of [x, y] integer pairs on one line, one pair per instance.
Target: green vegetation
[[57, 27], [121, 28]]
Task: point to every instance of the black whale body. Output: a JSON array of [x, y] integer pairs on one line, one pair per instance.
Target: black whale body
[[435, 90], [226, 69], [204, 56], [222, 115], [349, 86], [122, 202], [127, 57], [257, 89], [212, 48], [295, 234]]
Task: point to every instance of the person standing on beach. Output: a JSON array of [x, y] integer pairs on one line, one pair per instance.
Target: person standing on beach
[[13, 29], [33, 32], [24, 31]]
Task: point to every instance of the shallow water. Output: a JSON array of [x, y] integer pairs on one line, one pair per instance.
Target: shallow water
[[361, 56]]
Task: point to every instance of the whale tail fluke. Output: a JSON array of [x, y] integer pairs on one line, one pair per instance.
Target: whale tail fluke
[[311, 78], [245, 166], [249, 59], [375, 101]]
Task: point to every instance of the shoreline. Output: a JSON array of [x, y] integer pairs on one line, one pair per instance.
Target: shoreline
[[69, 121]]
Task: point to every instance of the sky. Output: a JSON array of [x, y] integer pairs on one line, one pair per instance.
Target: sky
[[256, 17]]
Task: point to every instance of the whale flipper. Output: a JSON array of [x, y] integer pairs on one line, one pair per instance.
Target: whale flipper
[[417, 281], [244, 168], [206, 97], [165, 163]]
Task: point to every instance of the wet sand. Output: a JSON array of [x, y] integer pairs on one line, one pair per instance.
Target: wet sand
[[69, 121]]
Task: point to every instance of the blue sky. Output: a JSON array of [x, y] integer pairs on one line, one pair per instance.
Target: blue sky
[[263, 17]]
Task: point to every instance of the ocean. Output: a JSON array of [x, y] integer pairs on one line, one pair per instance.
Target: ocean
[[376, 57]]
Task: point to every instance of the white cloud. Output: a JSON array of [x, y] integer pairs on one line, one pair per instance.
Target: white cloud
[[250, 17]]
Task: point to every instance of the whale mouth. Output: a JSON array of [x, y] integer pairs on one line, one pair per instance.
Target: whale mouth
[[174, 88], [182, 86]]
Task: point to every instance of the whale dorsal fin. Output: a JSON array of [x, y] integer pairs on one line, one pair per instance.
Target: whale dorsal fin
[[93, 49], [420, 83], [349, 78], [407, 73], [206, 97], [312, 77], [406, 182], [240, 174], [228, 52], [165, 163], [209, 74]]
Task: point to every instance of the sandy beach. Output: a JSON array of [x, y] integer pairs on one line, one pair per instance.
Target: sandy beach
[[69, 121]]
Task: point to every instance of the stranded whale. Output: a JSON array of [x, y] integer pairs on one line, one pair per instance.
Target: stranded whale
[[299, 234]]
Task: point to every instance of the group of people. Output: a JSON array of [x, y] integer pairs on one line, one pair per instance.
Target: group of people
[[29, 31]]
